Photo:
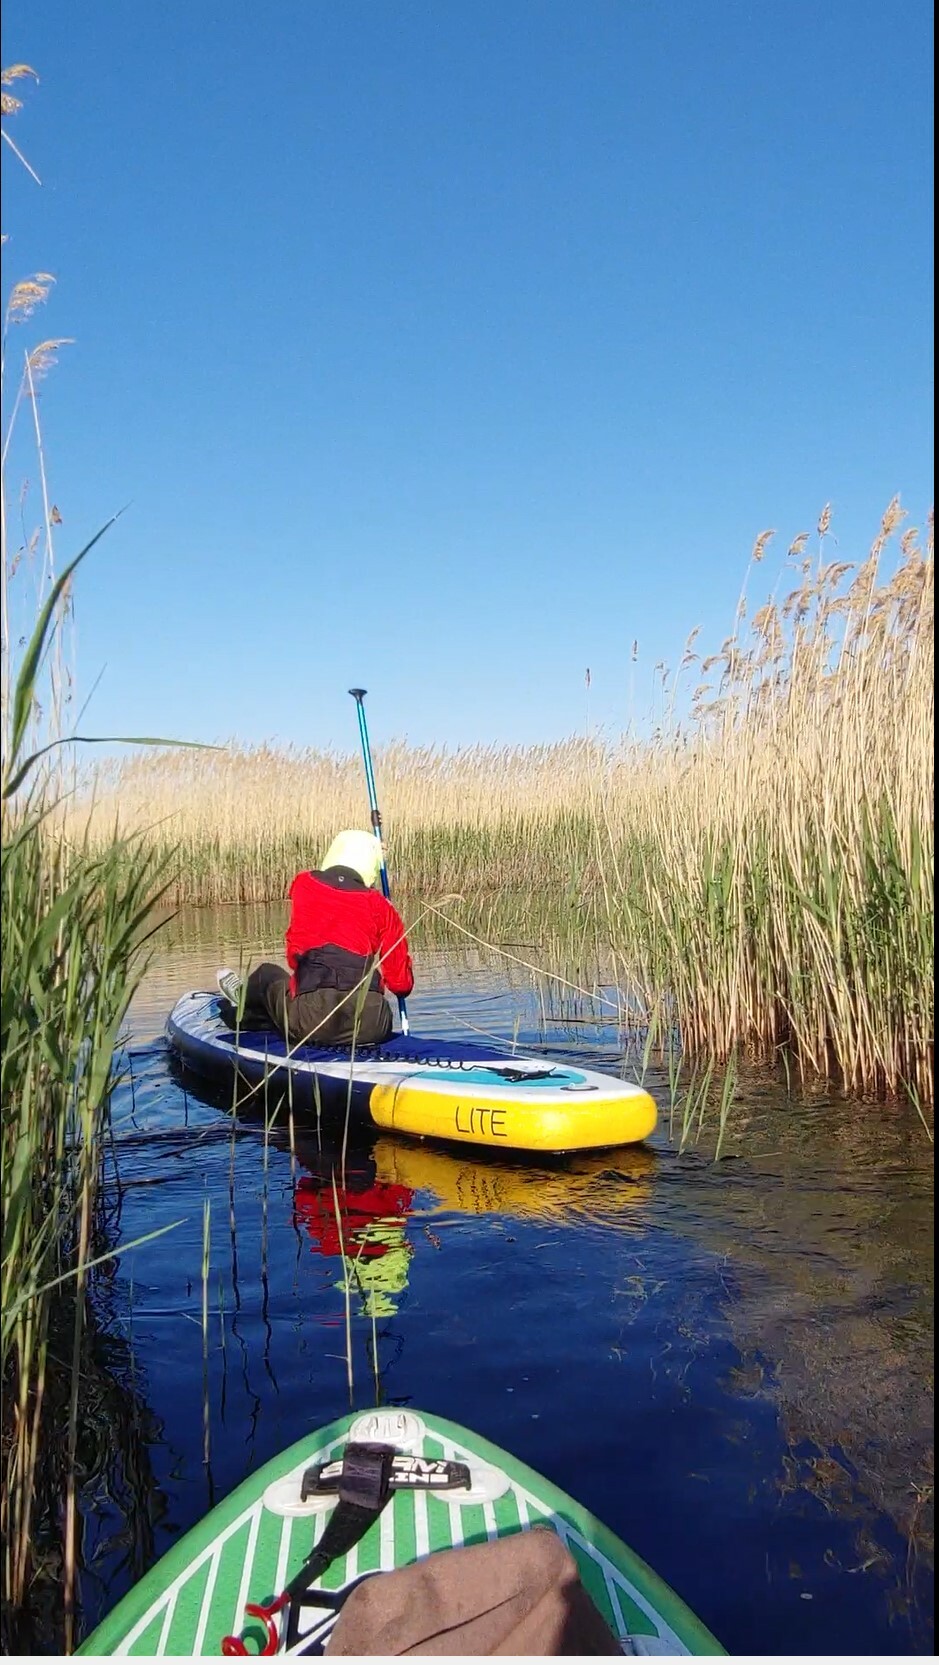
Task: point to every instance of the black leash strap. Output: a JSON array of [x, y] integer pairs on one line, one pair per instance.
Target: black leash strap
[[364, 1489]]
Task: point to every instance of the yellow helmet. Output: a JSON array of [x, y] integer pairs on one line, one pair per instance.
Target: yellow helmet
[[359, 850]]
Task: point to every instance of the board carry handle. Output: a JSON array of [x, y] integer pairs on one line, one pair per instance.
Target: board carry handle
[[408, 1474]]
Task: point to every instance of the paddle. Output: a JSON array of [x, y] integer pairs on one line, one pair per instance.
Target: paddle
[[358, 694]]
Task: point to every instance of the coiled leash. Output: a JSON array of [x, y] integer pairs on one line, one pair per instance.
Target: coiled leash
[[365, 1477]]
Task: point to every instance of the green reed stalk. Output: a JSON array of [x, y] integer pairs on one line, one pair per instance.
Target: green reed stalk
[[350, 1382]]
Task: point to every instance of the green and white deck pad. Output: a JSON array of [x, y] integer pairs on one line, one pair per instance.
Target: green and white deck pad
[[249, 1546]]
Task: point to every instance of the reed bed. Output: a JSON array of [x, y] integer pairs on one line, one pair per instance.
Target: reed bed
[[72, 921], [72, 918], [761, 867], [71, 924], [243, 820]]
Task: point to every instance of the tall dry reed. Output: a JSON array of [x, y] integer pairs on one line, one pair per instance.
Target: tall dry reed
[[785, 891], [761, 868]]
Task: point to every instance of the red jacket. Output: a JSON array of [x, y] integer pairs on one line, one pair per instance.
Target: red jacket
[[359, 920]]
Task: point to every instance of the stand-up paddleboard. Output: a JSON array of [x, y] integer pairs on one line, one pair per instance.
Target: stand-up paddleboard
[[441, 1089], [448, 1488]]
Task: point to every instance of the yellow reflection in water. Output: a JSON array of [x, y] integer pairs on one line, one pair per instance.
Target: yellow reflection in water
[[596, 1188]]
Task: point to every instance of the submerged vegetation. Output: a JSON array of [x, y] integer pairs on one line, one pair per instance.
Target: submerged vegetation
[[760, 870]]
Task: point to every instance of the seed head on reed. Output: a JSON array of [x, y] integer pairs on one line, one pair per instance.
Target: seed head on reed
[[11, 105], [17, 72], [43, 357], [689, 657], [26, 295]]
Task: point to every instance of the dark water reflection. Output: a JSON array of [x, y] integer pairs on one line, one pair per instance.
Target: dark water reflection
[[731, 1364]]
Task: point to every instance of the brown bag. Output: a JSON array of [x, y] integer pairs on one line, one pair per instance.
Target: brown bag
[[519, 1595]]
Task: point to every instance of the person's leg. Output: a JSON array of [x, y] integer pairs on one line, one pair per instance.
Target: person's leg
[[330, 1018], [310, 1018], [357, 1022], [266, 993]]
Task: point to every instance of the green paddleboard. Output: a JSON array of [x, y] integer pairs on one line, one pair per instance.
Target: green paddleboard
[[247, 1548]]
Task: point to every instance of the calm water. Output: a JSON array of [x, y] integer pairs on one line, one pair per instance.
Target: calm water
[[730, 1364]]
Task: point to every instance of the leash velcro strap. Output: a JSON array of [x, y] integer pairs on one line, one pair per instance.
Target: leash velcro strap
[[365, 1475]]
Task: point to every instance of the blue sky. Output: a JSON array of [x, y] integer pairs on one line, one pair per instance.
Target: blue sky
[[448, 348]]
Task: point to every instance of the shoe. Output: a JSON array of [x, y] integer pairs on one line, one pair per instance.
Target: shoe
[[230, 984]]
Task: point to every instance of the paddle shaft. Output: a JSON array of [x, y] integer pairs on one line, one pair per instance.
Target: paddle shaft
[[358, 694]]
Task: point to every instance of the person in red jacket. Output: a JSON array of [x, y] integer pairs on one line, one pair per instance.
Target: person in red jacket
[[345, 946]]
